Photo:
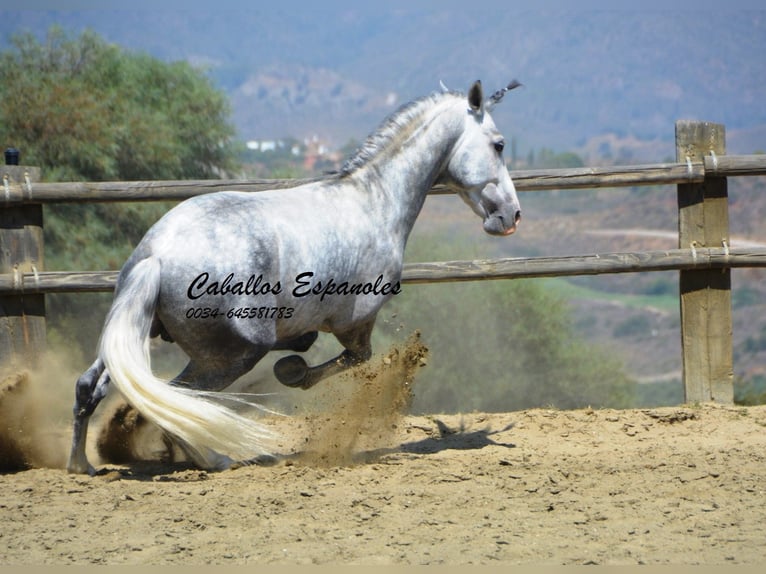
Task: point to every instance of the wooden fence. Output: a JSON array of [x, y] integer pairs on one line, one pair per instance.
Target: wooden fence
[[704, 257]]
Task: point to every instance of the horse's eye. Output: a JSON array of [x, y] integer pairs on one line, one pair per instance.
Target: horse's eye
[[499, 146]]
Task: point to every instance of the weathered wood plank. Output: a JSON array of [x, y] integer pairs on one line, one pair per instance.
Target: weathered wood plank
[[450, 271], [614, 176], [22, 316], [59, 282], [530, 180], [95, 192], [703, 221], [597, 264], [525, 180], [735, 165]]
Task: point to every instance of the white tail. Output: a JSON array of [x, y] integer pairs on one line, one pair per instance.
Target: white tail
[[207, 428]]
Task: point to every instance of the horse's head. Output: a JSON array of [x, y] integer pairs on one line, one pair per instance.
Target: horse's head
[[476, 170]]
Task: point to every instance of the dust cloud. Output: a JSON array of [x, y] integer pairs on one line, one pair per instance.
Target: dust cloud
[[36, 413], [362, 408], [342, 421]]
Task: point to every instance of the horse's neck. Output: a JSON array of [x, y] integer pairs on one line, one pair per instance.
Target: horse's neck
[[400, 180]]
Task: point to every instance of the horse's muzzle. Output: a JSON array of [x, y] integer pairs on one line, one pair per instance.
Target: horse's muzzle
[[497, 224]]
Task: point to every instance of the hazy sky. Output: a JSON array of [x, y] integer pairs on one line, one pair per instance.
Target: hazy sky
[[330, 5]]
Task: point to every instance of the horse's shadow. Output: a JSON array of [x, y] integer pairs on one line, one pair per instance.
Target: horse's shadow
[[442, 439], [446, 439]]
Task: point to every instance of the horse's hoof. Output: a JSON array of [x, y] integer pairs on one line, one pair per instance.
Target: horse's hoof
[[291, 371], [77, 467]]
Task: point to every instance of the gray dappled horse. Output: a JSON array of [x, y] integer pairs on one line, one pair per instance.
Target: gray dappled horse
[[230, 276]]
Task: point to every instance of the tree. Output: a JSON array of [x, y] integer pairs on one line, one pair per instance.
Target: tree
[[86, 110], [547, 158], [83, 109]]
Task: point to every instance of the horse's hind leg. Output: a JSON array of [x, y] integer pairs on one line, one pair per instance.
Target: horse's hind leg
[[90, 390], [213, 374], [209, 375], [292, 371]]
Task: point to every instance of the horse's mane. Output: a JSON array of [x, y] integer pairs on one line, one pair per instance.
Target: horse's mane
[[390, 129]]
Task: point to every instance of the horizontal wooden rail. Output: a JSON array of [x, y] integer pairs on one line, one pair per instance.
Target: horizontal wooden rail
[[108, 191], [597, 264], [733, 165], [525, 180], [615, 176], [446, 271]]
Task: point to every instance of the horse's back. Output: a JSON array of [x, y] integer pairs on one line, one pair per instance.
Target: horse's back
[[318, 232]]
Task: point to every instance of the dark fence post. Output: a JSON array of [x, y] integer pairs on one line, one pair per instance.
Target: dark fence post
[[703, 221], [22, 316]]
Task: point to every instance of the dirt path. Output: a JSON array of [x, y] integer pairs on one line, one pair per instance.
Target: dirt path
[[671, 485]]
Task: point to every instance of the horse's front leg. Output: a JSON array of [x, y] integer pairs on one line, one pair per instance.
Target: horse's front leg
[[293, 371]]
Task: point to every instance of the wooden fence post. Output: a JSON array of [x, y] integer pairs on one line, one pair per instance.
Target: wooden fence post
[[703, 221], [22, 317]]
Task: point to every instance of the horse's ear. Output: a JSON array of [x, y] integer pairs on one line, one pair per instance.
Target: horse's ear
[[476, 96]]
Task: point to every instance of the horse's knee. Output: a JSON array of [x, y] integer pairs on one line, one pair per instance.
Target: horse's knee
[[358, 341], [361, 355], [90, 389]]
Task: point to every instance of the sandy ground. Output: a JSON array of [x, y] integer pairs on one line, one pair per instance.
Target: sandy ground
[[362, 484]]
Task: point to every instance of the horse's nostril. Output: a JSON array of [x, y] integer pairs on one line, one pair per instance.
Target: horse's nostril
[[517, 217]]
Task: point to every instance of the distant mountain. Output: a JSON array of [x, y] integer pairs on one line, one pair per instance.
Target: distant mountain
[[305, 101], [337, 72]]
